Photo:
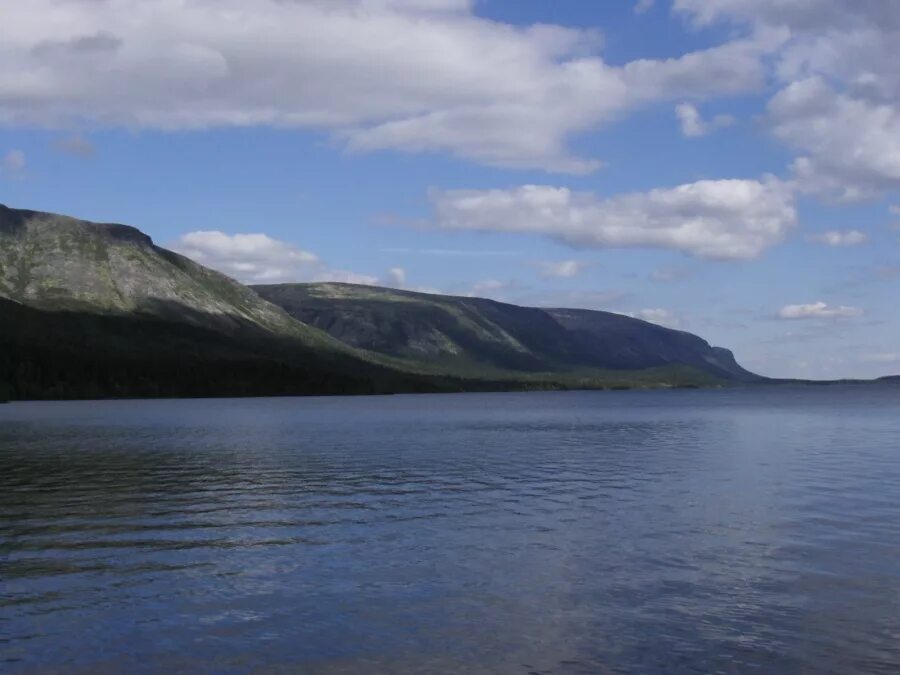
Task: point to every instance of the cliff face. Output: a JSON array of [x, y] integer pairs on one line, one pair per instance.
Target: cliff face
[[457, 334]]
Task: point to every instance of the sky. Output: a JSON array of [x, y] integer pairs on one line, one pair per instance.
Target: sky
[[726, 167]]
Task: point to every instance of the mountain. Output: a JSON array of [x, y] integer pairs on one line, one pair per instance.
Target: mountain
[[466, 336], [54, 262], [91, 310], [95, 310]]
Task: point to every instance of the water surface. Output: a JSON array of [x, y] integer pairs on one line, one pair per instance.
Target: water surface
[[587, 532]]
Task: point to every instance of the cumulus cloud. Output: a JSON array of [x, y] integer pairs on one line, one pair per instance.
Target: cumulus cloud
[[801, 15], [732, 68], [562, 269], [839, 237], [689, 118], [692, 123], [260, 259], [818, 310], [851, 145], [719, 219], [663, 317], [13, 163], [643, 6], [396, 277], [410, 75], [839, 103]]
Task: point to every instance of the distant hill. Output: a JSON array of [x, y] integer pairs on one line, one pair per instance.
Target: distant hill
[[462, 335], [98, 310]]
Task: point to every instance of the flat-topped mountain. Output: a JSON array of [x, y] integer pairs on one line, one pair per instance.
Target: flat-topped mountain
[[96, 310], [464, 335]]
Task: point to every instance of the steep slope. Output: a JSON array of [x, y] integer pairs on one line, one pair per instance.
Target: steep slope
[[465, 335], [98, 310], [616, 341], [66, 354], [55, 262], [90, 309], [453, 332]]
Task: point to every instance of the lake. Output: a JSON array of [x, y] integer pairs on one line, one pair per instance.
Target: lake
[[731, 531]]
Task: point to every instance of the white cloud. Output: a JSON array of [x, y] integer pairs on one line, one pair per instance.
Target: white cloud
[[411, 75], [13, 163], [643, 6], [663, 317], [690, 120], [840, 102], [800, 15], [562, 269], [732, 68], [396, 277], [818, 310], [839, 237], [721, 219], [260, 259], [692, 123], [851, 145]]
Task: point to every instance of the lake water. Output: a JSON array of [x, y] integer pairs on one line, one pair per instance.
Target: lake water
[[734, 531]]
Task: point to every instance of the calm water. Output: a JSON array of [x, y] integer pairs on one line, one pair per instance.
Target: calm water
[[639, 532]]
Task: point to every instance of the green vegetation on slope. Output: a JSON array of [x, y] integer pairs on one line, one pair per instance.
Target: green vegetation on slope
[[63, 355], [54, 355], [470, 337], [92, 310], [54, 262]]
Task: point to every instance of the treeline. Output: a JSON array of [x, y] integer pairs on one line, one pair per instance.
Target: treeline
[[67, 355], [62, 355]]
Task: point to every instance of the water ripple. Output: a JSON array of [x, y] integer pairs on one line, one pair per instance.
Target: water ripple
[[654, 532]]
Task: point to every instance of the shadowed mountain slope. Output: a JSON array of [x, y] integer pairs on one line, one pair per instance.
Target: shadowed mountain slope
[[89, 309], [464, 335], [98, 310]]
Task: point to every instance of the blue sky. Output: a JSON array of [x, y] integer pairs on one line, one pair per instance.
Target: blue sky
[[729, 167]]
